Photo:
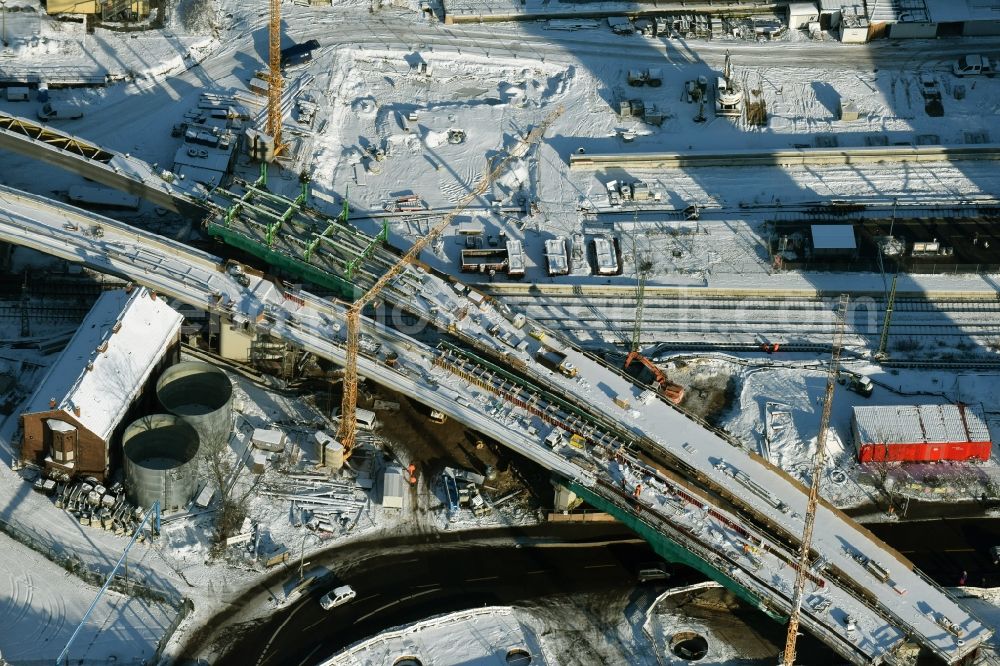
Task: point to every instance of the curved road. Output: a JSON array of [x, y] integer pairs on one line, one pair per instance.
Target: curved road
[[400, 585], [410, 586]]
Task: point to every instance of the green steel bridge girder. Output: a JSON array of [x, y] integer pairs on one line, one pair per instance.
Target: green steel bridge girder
[[354, 264], [672, 551], [293, 265]]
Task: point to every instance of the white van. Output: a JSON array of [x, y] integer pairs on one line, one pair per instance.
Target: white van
[[365, 418], [337, 596], [51, 111]]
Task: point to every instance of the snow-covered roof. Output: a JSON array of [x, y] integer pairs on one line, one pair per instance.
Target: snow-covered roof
[[555, 252], [515, 255], [392, 487], [109, 358], [833, 237], [799, 8], [933, 424], [953, 11]]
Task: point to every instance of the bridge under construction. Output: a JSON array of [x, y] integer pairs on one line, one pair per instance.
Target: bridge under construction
[[691, 492], [687, 488]]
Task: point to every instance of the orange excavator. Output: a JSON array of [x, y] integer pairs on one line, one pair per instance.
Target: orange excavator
[[671, 390]]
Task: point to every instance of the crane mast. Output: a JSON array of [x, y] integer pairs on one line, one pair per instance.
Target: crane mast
[[347, 430], [818, 460], [274, 83]]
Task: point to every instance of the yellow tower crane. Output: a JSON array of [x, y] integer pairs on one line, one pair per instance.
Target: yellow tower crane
[[348, 410], [274, 83], [788, 658]]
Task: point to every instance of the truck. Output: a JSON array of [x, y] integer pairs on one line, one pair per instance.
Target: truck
[[298, 54], [556, 361], [652, 76], [55, 111], [860, 384], [973, 65]]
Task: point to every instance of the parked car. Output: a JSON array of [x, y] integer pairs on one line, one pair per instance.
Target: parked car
[[337, 597], [52, 111]]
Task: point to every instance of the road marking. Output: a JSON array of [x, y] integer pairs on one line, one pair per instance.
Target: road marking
[[420, 587], [308, 656], [277, 631], [319, 621], [393, 603], [600, 566], [476, 580], [536, 571]]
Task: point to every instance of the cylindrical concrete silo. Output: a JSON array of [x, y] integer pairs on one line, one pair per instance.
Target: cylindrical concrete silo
[[202, 395], [161, 461]]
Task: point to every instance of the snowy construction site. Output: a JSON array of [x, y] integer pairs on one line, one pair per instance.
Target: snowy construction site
[[499, 333]]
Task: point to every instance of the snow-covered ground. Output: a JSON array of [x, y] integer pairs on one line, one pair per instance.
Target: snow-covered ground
[[493, 84], [41, 605], [478, 637], [778, 411]]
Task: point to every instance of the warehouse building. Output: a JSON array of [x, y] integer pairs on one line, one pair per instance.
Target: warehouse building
[[921, 433], [927, 19], [97, 384], [108, 10]]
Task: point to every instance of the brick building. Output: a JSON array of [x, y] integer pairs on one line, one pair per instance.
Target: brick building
[[98, 384]]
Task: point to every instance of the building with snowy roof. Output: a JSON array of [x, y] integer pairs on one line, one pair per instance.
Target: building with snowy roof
[[833, 240], [96, 385], [921, 433]]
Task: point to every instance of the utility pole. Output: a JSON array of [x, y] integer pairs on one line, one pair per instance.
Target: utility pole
[[818, 459], [302, 555]]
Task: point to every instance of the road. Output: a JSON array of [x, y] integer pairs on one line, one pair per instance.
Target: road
[[957, 545], [403, 588]]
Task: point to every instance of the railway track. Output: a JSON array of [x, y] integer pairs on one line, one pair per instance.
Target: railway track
[[749, 321]]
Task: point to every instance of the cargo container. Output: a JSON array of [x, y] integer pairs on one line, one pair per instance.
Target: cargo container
[[515, 259], [606, 255], [555, 256], [921, 433], [18, 94]]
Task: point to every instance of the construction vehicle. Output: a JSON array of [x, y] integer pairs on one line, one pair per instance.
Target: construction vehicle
[[652, 76], [670, 390], [819, 458], [347, 430], [860, 384], [556, 361], [728, 93]]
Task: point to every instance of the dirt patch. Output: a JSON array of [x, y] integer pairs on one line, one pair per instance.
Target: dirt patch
[[710, 387]]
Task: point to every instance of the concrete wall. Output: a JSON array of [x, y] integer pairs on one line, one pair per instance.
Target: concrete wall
[[234, 342], [979, 28], [913, 31]]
